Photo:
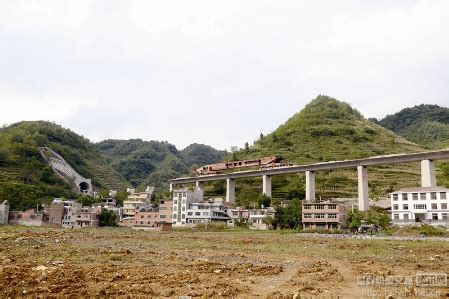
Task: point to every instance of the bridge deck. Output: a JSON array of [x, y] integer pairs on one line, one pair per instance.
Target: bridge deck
[[331, 165]]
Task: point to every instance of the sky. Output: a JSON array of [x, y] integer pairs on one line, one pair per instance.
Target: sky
[[214, 72]]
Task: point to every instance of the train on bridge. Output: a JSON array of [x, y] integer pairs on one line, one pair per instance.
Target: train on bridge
[[262, 163]]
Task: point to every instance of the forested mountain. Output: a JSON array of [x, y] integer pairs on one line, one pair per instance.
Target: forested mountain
[[155, 163], [26, 179], [427, 125], [326, 130]]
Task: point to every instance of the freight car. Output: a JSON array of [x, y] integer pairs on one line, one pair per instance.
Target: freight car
[[262, 163]]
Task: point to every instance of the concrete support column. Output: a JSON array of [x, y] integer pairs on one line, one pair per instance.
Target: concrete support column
[[230, 190], [363, 188], [200, 185], [428, 177], [310, 186], [171, 187], [266, 185]]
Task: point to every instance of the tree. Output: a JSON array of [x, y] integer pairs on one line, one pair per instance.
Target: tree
[[261, 136], [264, 200], [288, 217], [247, 147], [47, 175], [3, 157], [121, 197], [354, 220], [108, 218], [274, 137], [86, 200]]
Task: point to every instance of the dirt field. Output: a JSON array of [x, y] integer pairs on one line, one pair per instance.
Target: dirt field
[[121, 262]]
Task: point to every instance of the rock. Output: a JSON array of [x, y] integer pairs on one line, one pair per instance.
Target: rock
[[57, 263], [217, 271], [40, 268]]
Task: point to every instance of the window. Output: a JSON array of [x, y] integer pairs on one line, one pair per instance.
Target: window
[[406, 217], [205, 213], [163, 216], [307, 215], [332, 207], [422, 196], [175, 202], [183, 216], [434, 206], [433, 195], [163, 208], [405, 207], [197, 213], [183, 208], [395, 197], [307, 207], [444, 206], [395, 207], [434, 216], [319, 207], [189, 213], [415, 196], [420, 206], [444, 216], [175, 208], [396, 216], [332, 216], [319, 215], [443, 195]]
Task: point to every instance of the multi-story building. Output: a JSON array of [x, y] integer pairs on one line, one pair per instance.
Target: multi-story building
[[257, 217], [324, 215], [420, 205], [238, 214], [189, 208], [71, 208], [4, 212], [135, 200], [166, 211], [56, 213], [88, 217]]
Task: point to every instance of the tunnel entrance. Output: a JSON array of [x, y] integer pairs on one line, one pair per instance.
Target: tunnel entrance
[[84, 187]]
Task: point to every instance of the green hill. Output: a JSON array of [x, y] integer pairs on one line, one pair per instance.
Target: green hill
[[327, 130], [26, 179], [427, 125], [154, 163]]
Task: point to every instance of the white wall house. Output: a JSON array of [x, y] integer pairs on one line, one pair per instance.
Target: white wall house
[[420, 205], [182, 199]]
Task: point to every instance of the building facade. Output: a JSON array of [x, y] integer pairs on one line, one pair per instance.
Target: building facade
[[135, 200], [420, 205], [4, 212], [30, 217], [257, 217], [325, 215]]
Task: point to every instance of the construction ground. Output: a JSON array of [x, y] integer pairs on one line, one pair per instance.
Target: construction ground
[[236, 263]]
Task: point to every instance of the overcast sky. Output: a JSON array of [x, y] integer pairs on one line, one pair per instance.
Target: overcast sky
[[214, 72]]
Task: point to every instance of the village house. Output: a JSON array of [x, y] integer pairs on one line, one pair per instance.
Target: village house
[[88, 217], [257, 217], [30, 217], [324, 215], [135, 200], [420, 205], [238, 215]]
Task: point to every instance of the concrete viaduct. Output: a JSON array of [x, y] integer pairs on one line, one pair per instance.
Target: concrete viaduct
[[428, 177]]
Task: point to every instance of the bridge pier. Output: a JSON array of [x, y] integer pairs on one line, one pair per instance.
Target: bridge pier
[[428, 177], [266, 185], [200, 185], [171, 187], [230, 190], [310, 186], [363, 188]]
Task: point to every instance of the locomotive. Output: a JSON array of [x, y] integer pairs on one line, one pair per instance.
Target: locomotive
[[262, 163]]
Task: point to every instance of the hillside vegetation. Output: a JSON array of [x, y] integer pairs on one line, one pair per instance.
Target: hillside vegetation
[[154, 163], [327, 130], [427, 125], [26, 179]]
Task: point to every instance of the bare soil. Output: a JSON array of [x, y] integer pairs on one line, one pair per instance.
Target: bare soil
[[123, 262]]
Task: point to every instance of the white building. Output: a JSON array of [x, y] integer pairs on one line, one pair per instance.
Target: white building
[[71, 209], [135, 200], [257, 217], [4, 212], [189, 208], [420, 205]]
